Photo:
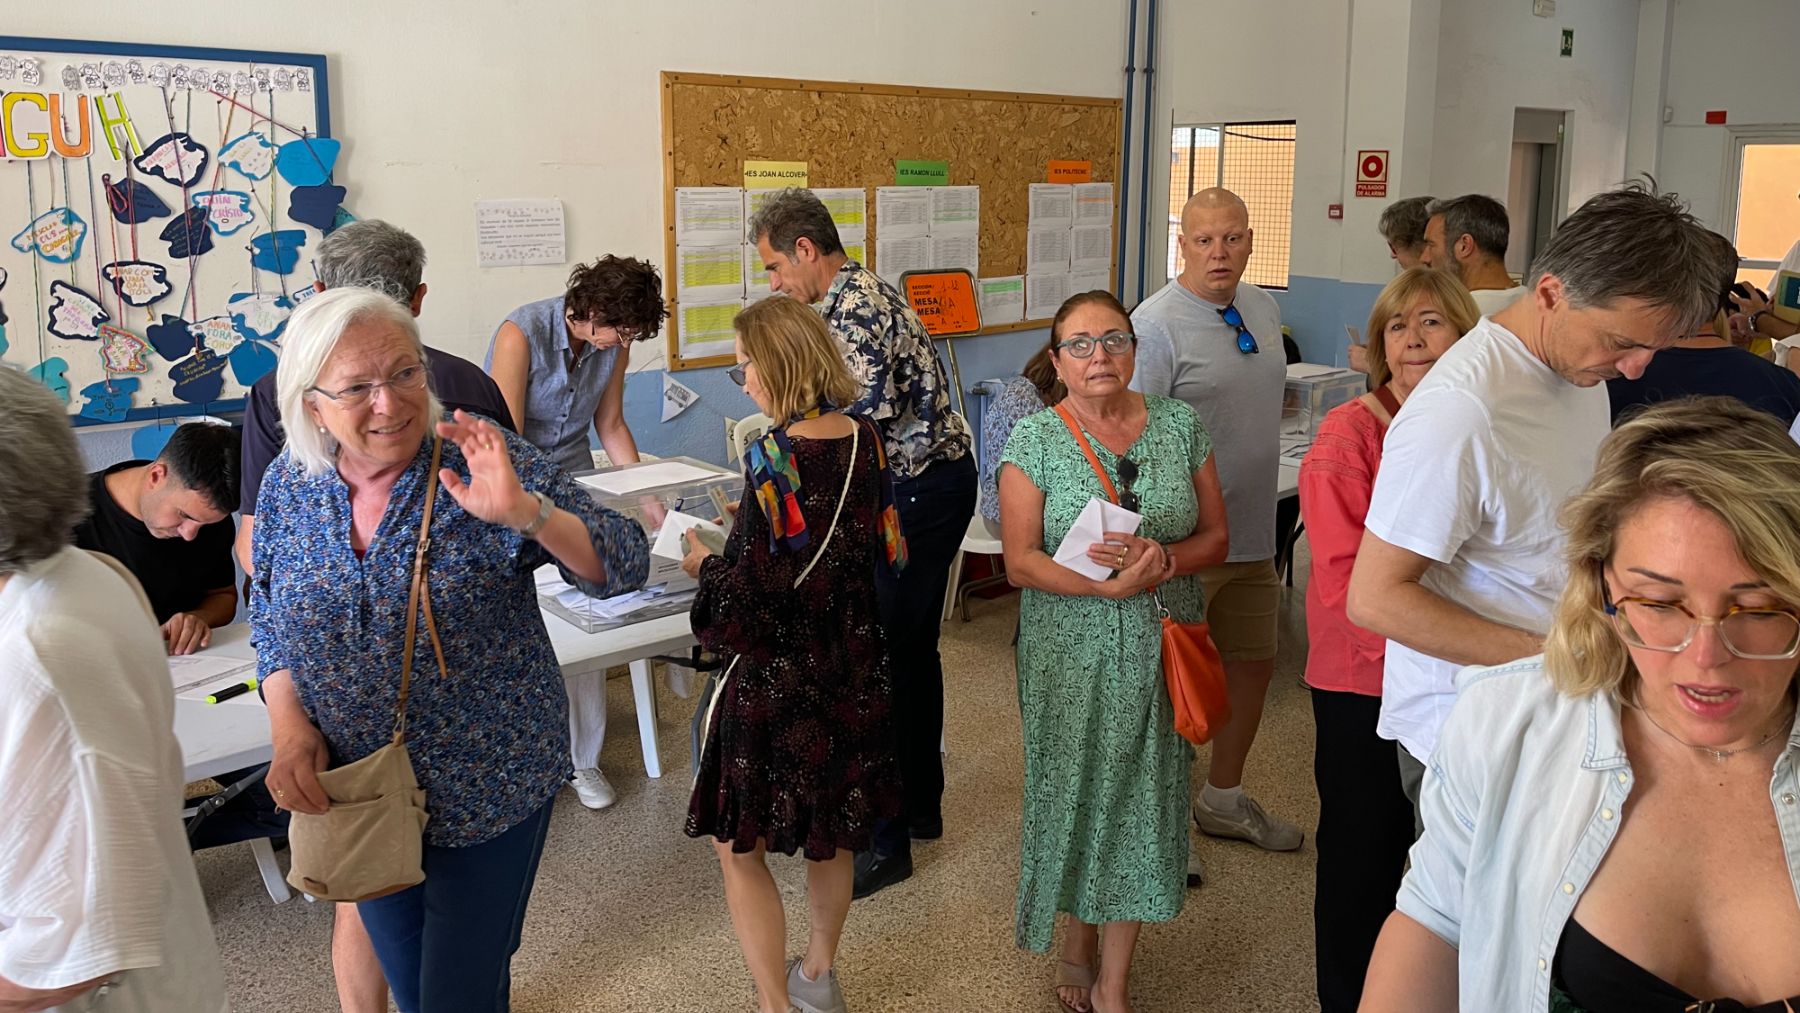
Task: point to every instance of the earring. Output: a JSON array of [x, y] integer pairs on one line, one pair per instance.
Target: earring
[[321, 429]]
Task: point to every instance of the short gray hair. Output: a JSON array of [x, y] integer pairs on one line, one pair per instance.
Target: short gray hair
[[372, 254], [312, 335], [1478, 216], [1403, 222], [1635, 243], [792, 214], [41, 466]]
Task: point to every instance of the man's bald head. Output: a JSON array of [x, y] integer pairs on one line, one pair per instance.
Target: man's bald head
[[1212, 200], [1215, 243]]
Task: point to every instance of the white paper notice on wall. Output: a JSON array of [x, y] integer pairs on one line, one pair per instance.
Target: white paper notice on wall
[[901, 212], [708, 215], [1093, 204], [677, 397], [1045, 294], [519, 232], [1002, 299], [1052, 206], [1091, 247]]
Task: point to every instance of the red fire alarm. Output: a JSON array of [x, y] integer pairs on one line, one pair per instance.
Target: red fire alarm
[[1335, 212], [1715, 116]]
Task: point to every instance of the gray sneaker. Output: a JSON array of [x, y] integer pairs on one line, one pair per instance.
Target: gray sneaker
[[1247, 823], [822, 996]]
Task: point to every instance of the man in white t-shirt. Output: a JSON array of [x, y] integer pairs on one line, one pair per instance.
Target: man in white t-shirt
[[100, 908], [1461, 560], [1467, 236], [1213, 340]]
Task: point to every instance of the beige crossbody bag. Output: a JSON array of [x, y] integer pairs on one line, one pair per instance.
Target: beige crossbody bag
[[371, 842]]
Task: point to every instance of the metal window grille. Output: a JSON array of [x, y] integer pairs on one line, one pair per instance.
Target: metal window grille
[[1254, 161]]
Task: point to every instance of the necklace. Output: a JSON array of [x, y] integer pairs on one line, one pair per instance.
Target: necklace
[[1720, 755]]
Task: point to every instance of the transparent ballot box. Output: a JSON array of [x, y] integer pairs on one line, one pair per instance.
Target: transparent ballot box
[[669, 492], [1312, 392]]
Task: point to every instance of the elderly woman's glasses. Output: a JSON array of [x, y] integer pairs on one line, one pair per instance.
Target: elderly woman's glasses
[[1082, 347], [1756, 634], [1246, 340], [1128, 474], [737, 373], [410, 378]]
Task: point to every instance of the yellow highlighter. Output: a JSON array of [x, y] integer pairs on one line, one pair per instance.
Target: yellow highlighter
[[235, 689]]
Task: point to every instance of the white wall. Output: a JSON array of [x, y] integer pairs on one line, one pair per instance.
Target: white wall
[[1495, 57], [445, 102], [1735, 55]]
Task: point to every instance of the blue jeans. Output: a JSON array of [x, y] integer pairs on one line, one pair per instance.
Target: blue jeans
[[447, 944]]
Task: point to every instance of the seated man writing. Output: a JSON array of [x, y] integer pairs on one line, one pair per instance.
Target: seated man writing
[[169, 522]]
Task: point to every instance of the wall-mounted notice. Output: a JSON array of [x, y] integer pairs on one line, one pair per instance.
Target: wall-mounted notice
[[1002, 299], [1093, 204], [912, 172], [902, 212], [849, 207], [709, 273], [1045, 294], [765, 175], [956, 250], [708, 215], [706, 329], [1091, 247], [955, 210], [895, 257], [517, 233], [1052, 206], [1069, 171]]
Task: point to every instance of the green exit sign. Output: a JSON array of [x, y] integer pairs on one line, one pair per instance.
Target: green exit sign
[[1568, 42]]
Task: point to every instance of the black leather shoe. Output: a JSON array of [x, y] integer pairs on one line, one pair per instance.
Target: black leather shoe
[[926, 829], [874, 873]]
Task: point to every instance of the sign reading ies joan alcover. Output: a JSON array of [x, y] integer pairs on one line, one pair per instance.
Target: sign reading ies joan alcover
[[773, 175]]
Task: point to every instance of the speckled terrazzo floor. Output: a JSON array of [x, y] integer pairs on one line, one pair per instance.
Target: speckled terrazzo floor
[[628, 913]]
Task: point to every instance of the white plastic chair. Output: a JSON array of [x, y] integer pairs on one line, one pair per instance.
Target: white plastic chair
[[748, 428], [982, 539]]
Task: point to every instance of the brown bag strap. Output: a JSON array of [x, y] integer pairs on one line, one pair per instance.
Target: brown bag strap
[[1087, 448], [420, 591], [1382, 404]]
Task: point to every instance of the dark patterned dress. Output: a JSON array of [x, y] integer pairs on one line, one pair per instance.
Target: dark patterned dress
[[799, 751]]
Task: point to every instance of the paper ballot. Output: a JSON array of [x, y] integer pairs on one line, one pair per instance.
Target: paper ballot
[[671, 540], [1096, 519]]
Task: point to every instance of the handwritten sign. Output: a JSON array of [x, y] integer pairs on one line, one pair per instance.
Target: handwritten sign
[[909, 172], [517, 233], [945, 301], [764, 175], [1067, 171]]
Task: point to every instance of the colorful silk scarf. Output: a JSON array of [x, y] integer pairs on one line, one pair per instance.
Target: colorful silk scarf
[[893, 539], [777, 484]]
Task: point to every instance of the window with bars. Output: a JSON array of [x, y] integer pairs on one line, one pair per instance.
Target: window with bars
[[1254, 161]]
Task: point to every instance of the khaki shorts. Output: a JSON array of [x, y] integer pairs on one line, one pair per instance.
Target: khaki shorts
[[1242, 600]]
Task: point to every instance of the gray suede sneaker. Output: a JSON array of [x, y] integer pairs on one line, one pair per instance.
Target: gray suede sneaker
[[822, 996], [1248, 823]]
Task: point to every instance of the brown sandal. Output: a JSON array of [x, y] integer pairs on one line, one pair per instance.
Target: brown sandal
[[1073, 975]]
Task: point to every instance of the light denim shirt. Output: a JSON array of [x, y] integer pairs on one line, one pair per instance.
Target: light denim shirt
[[1522, 799]]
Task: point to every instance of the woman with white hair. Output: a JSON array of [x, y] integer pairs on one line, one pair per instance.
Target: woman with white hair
[[338, 526], [99, 905]]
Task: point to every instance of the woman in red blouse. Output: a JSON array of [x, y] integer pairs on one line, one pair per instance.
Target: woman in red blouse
[[1365, 820]]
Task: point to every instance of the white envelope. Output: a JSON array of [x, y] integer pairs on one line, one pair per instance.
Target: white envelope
[[1097, 518], [671, 541]]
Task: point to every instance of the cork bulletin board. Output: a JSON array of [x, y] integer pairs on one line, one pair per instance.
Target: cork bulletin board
[[850, 135]]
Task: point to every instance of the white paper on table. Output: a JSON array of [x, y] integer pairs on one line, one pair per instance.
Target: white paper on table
[[709, 273], [1304, 370], [1052, 206], [956, 250], [514, 233], [1002, 299], [1090, 247], [671, 540], [849, 207], [955, 210], [1045, 294], [191, 671], [894, 257], [901, 212], [1094, 521], [708, 215], [1090, 281], [1047, 251], [1094, 204], [649, 475]]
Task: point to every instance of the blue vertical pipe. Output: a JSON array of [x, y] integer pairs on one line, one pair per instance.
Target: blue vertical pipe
[[1124, 209], [1149, 120]]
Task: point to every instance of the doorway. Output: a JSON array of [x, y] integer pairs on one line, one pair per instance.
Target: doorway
[[1536, 184]]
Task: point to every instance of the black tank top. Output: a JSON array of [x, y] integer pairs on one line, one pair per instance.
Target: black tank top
[[1597, 979]]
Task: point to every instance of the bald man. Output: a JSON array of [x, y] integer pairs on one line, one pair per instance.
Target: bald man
[[1214, 341]]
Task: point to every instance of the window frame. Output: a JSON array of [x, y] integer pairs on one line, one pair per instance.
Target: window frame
[[1222, 128], [1737, 139]]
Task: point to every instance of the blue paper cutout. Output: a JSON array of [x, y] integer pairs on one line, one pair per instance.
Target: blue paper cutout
[[56, 235], [73, 314], [261, 317], [147, 443], [308, 161], [339, 220], [50, 374], [200, 377], [174, 158], [251, 154], [133, 202], [137, 282], [227, 211], [105, 405], [2, 286], [316, 205], [187, 234], [277, 252], [250, 360], [171, 338]]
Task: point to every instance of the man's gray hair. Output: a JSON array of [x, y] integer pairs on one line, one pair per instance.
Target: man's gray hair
[[1478, 216], [791, 214], [41, 470], [1403, 222], [372, 254], [312, 335], [1635, 243]]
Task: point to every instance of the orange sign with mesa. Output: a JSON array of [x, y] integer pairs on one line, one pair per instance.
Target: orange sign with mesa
[[944, 300]]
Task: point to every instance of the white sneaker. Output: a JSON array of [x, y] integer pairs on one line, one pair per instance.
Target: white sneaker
[[1247, 823], [595, 790]]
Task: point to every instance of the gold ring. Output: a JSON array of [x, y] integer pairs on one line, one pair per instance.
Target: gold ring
[[279, 793]]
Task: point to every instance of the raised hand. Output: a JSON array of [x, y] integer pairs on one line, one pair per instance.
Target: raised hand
[[493, 492]]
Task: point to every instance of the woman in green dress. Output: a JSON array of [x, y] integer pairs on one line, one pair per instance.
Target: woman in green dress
[[1106, 778]]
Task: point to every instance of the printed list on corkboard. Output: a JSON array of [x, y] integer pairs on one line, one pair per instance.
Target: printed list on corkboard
[[851, 134]]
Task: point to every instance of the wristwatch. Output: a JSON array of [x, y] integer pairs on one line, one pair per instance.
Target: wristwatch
[[546, 506], [1753, 319]]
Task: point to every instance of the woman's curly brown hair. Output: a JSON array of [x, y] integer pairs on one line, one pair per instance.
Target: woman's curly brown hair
[[620, 292]]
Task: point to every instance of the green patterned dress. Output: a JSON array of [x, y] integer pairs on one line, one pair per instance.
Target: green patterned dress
[[1106, 777]]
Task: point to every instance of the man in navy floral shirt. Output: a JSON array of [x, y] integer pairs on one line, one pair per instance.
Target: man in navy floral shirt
[[906, 393]]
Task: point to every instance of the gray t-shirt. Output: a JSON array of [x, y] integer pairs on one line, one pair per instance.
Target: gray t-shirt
[[1187, 351]]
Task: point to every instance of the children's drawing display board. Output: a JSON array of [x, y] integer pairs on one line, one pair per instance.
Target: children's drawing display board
[[159, 206]]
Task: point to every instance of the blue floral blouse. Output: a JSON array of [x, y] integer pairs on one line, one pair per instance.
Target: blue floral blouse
[[490, 743]]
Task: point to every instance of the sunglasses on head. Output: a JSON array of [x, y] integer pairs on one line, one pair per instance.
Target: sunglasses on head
[[1245, 340]]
